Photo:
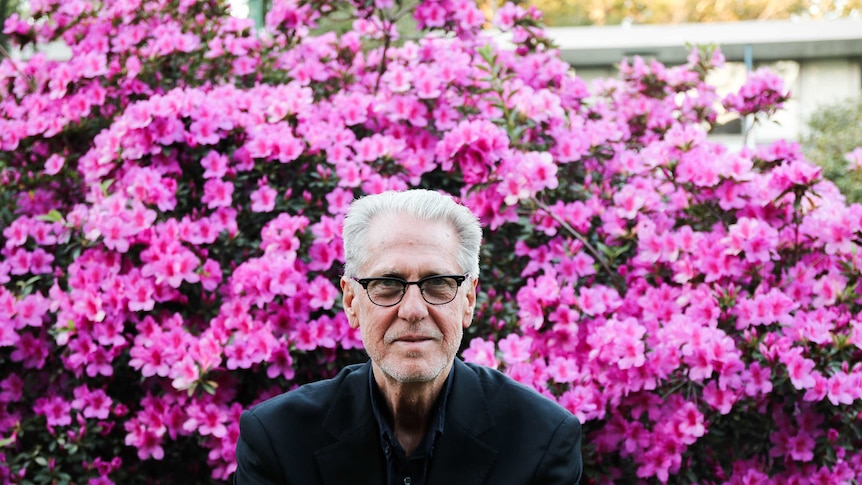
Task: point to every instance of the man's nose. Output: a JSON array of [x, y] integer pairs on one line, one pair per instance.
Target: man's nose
[[413, 305]]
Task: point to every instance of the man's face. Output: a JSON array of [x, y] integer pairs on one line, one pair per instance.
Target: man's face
[[412, 341]]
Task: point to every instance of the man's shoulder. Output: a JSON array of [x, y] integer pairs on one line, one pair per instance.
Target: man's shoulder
[[503, 391], [312, 399]]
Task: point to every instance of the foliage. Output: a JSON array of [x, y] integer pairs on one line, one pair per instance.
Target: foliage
[[171, 245], [613, 12], [833, 133]]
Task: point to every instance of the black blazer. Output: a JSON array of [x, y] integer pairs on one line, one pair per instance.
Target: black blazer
[[497, 431]]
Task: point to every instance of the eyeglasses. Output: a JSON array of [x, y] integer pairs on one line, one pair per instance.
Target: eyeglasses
[[388, 291]]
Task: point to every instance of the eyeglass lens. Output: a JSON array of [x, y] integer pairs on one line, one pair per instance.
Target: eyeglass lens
[[436, 291]]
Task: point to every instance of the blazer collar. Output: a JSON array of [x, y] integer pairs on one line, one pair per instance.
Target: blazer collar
[[355, 457], [462, 455]]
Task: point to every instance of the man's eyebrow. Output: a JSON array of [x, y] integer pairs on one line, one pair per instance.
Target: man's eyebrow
[[391, 274], [402, 275]]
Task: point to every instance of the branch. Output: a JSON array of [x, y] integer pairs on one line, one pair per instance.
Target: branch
[[580, 237], [7, 55]]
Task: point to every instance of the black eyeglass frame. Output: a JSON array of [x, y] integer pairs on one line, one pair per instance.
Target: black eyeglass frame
[[459, 279]]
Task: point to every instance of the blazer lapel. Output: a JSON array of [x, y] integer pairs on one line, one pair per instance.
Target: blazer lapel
[[462, 456], [355, 457]]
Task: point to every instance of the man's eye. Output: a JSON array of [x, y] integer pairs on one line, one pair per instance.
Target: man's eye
[[385, 285], [438, 282]]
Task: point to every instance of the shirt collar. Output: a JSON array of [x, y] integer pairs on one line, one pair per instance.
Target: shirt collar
[[381, 415]]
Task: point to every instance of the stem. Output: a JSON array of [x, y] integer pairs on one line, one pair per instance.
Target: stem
[[7, 55], [580, 237], [387, 40]]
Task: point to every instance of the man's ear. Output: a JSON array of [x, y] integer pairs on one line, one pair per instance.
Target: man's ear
[[471, 303], [348, 298]]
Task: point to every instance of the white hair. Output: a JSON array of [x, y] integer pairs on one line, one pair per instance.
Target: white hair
[[422, 204]]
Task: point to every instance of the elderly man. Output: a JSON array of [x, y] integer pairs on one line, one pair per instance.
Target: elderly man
[[413, 414]]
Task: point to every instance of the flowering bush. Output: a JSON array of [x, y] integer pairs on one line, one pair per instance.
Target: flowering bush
[[171, 212]]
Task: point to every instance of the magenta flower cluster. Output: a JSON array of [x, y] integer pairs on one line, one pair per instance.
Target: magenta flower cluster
[[170, 254]]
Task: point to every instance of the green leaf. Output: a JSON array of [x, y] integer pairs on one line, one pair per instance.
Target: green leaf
[[53, 216], [209, 386], [105, 185], [41, 461], [6, 442]]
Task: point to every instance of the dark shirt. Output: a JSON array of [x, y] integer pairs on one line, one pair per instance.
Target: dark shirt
[[401, 469]]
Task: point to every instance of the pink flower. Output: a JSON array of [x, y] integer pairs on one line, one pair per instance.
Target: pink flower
[[174, 268], [217, 193], [757, 380], [720, 399], [93, 404], [31, 310], [314, 334], [150, 360], [525, 174], [184, 373], [338, 200], [40, 262], [799, 368], [253, 348], [597, 300], [56, 410], [801, 447], [843, 388], [580, 401], [287, 148], [690, 423], [99, 362], [17, 232], [205, 131], [208, 419], [281, 363], [19, 261], [515, 348], [753, 237], [474, 146], [481, 352], [323, 293], [263, 199], [215, 165], [563, 370], [211, 275], [629, 202], [116, 233], [398, 79], [854, 159], [140, 292], [30, 351], [763, 91], [11, 389], [796, 174], [148, 441], [427, 82], [54, 164]]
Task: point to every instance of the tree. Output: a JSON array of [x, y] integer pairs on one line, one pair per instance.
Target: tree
[[833, 132], [614, 12]]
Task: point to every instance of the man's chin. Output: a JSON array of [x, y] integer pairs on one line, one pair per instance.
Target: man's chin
[[410, 369]]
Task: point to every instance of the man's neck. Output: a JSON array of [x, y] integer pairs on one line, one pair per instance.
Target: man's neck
[[411, 405]]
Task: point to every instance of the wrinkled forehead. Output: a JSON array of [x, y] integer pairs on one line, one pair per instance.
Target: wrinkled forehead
[[405, 243]]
